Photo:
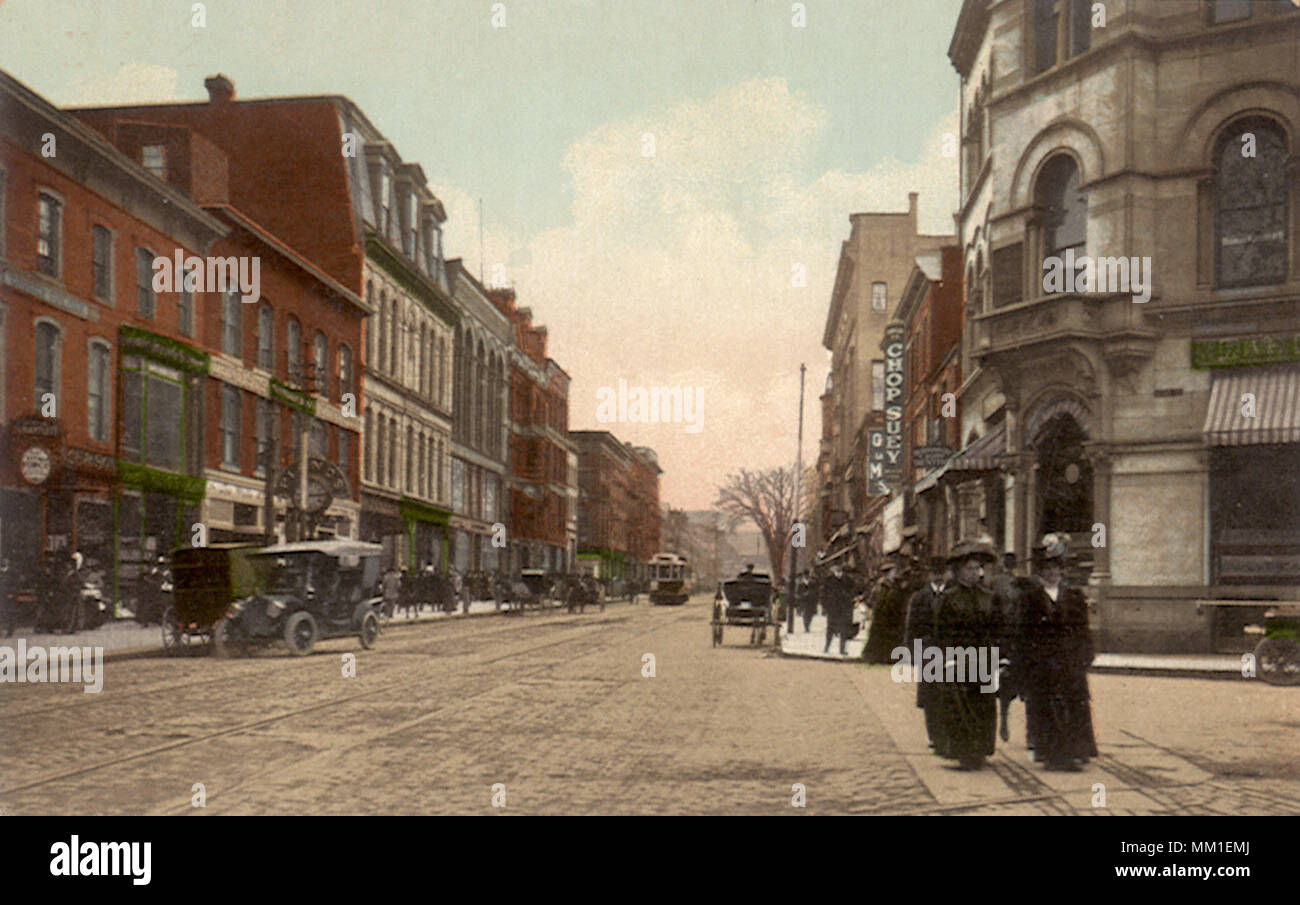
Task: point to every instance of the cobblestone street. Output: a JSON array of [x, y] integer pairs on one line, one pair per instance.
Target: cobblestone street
[[556, 709]]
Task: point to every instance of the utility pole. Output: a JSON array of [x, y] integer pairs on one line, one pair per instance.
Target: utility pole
[[798, 478]]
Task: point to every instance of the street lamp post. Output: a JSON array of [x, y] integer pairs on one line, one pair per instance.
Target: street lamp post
[[798, 478]]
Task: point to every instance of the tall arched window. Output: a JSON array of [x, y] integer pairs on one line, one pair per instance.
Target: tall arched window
[[232, 324], [320, 363], [393, 477], [480, 386], [380, 447], [1065, 208], [346, 371], [372, 351], [422, 363], [1250, 204], [394, 336], [381, 363], [265, 337], [293, 351], [370, 446], [442, 370]]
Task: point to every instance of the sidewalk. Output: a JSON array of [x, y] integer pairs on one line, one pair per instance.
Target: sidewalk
[[127, 638], [809, 644]]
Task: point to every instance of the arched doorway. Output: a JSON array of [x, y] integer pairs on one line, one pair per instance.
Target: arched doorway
[[1063, 498]]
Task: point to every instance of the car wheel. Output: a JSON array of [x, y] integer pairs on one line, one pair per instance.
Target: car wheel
[[369, 630], [1277, 661], [300, 633], [171, 631]]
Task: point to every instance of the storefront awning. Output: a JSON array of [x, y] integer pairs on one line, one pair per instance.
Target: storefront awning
[[985, 454], [1275, 392]]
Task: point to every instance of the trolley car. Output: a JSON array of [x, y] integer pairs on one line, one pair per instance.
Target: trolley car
[[670, 576]]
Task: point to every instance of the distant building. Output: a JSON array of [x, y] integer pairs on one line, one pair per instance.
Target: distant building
[[619, 522], [540, 499]]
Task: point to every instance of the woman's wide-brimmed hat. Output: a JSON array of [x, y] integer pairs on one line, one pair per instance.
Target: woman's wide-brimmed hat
[[972, 549], [1053, 548]]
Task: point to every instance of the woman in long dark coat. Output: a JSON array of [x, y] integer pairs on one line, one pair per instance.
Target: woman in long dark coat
[[1056, 651], [919, 626], [966, 617]]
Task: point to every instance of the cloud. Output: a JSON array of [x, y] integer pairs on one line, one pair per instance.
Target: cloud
[[133, 83], [677, 268]]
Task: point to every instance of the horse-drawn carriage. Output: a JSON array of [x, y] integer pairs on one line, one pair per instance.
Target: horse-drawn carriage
[[206, 581], [745, 600], [532, 588]]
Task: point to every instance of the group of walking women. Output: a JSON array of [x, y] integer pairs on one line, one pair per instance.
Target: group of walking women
[[1039, 626]]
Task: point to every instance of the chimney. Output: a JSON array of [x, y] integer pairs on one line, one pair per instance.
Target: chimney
[[221, 90], [911, 206]]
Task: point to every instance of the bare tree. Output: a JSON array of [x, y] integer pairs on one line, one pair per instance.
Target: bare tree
[[765, 498]]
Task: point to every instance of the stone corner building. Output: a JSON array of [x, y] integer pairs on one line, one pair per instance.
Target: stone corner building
[[1169, 135]]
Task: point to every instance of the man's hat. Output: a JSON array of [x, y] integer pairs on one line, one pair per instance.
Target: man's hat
[[1054, 548], [972, 549]]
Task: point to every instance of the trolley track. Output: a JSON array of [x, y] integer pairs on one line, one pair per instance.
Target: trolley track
[[579, 633]]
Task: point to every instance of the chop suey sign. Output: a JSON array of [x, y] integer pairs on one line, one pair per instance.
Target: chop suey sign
[[885, 457]]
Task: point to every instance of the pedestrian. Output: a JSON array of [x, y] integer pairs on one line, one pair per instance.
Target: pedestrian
[[919, 626], [837, 601], [807, 600], [966, 621], [1008, 588], [888, 613], [392, 589], [1057, 651]]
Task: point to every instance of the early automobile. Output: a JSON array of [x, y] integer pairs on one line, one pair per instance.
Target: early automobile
[[309, 590], [745, 600]]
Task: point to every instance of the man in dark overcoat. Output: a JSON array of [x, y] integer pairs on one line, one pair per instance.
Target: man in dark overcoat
[[888, 612], [919, 626], [837, 601]]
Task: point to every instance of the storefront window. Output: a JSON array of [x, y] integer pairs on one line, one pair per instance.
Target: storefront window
[[153, 413]]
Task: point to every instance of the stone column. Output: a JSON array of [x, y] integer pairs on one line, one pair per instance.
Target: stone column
[[1099, 457]]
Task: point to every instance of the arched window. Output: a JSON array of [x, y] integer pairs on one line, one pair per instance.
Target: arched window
[[381, 363], [293, 351], [442, 370], [380, 447], [394, 336], [320, 363], [422, 367], [1250, 204], [393, 477], [48, 348], [370, 446], [372, 351], [1065, 208], [1064, 476], [345, 370], [480, 404], [265, 337]]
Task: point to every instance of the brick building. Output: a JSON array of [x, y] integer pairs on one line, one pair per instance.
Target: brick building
[[619, 519], [314, 173], [541, 504], [103, 388]]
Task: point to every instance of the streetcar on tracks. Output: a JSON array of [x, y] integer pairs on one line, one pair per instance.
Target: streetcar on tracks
[[670, 576]]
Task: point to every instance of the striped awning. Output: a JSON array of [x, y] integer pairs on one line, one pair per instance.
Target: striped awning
[[985, 454], [1254, 405]]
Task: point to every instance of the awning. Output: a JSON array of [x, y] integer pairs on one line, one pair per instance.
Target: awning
[[1276, 394], [985, 454]]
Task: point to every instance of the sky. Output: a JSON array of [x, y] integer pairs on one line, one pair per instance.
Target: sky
[[666, 183]]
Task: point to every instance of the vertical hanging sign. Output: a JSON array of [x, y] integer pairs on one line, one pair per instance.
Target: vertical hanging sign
[[893, 347]]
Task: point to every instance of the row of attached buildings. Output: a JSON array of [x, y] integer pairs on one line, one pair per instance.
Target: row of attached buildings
[[139, 416], [1156, 418]]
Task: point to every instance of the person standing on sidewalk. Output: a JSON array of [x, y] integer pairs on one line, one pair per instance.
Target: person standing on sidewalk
[[1008, 588], [888, 613], [392, 590], [966, 618], [837, 601], [919, 626], [1057, 651]]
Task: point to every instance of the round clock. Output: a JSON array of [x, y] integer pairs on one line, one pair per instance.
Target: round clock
[[36, 465]]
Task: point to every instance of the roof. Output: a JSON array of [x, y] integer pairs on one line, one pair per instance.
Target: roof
[[328, 547]]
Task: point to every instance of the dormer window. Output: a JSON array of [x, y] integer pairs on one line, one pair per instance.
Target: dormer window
[[385, 199], [1062, 29], [154, 159], [409, 245]]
